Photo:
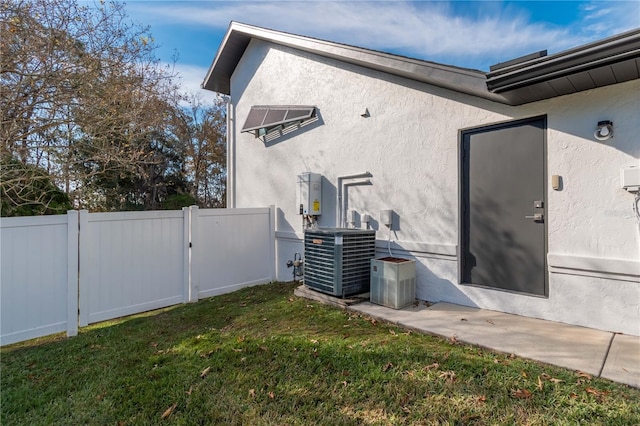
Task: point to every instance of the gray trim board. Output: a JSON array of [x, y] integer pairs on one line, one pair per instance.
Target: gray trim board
[[598, 267], [448, 251], [411, 248], [291, 236]]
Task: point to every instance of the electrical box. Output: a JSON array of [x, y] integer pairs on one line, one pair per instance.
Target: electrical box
[[630, 178], [351, 217], [310, 194], [386, 217]]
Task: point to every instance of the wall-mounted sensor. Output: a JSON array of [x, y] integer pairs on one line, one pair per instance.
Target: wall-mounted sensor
[[386, 217], [556, 182]]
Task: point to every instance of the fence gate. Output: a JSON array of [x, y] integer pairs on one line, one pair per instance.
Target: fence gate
[[58, 272]]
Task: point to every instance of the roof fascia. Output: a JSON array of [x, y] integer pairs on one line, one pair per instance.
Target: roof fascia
[[462, 80], [603, 52], [489, 86], [207, 79]]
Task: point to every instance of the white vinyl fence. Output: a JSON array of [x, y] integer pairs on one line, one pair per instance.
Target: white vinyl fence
[[58, 272], [38, 276], [232, 248], [132, 262]]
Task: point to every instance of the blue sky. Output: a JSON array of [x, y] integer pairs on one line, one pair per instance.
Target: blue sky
[[470, 34]]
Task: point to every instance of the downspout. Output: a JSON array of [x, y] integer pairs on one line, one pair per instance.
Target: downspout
[[231, 151], [339, 222]]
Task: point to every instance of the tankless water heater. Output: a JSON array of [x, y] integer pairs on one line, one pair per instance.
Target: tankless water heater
[[309, 194]]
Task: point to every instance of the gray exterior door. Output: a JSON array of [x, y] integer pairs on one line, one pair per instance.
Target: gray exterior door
[[504, 207]]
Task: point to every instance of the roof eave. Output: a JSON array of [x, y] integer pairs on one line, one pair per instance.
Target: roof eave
[[514, 84], [235, 42], [615, 49], [218, 76]]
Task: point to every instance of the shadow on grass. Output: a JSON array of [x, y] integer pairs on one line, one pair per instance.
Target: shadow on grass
[[263, 356]]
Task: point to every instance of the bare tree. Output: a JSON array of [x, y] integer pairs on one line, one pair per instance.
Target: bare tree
[[201, 129], [82, 96]]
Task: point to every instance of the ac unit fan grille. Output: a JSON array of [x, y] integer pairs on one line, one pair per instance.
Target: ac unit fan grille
[[337, 261]]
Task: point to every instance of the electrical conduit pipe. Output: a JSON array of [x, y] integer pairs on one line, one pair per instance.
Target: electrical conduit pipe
[[340, 221]]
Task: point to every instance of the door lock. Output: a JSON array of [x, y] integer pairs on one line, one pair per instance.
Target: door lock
[[537, 217]]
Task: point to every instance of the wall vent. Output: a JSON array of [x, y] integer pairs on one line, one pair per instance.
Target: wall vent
[[337, 261]]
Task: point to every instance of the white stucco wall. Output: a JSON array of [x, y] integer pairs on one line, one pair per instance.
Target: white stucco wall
[[410, 146]]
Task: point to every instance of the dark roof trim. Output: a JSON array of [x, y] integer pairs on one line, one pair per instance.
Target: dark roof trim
[[519, 60], [528, 79], [239, 35], [601, 53]]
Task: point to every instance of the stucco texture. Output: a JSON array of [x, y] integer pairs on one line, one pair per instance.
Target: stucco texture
[[410, 144]]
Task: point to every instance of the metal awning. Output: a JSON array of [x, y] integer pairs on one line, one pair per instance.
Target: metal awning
[[264, 119]]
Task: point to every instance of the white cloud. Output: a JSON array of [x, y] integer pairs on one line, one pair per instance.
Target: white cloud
[[428, 30], [487, 33], [601, 19], [190, 77]]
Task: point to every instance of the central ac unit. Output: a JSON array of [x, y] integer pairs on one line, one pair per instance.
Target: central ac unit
[[337, 261]]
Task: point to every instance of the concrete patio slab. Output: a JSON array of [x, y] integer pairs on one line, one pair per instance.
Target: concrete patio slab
[[571, 347], [623, 362], [599, 353]]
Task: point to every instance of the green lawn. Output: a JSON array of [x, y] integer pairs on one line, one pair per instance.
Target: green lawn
[[264, 356]]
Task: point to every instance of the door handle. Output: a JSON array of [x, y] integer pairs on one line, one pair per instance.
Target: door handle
[[537, 217]]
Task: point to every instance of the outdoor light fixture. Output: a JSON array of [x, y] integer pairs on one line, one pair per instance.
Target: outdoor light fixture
[[604, 130]]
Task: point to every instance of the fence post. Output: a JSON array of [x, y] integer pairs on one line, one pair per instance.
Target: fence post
[[194, 274], [72, 273], [272, 242], [84, 260], [186, 253]]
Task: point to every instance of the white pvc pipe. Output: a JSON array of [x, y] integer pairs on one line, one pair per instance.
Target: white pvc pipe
[[231, 182], [344, 201], [339, 222]]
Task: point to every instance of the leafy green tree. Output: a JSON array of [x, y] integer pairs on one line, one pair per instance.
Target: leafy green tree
[[28, 190]]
